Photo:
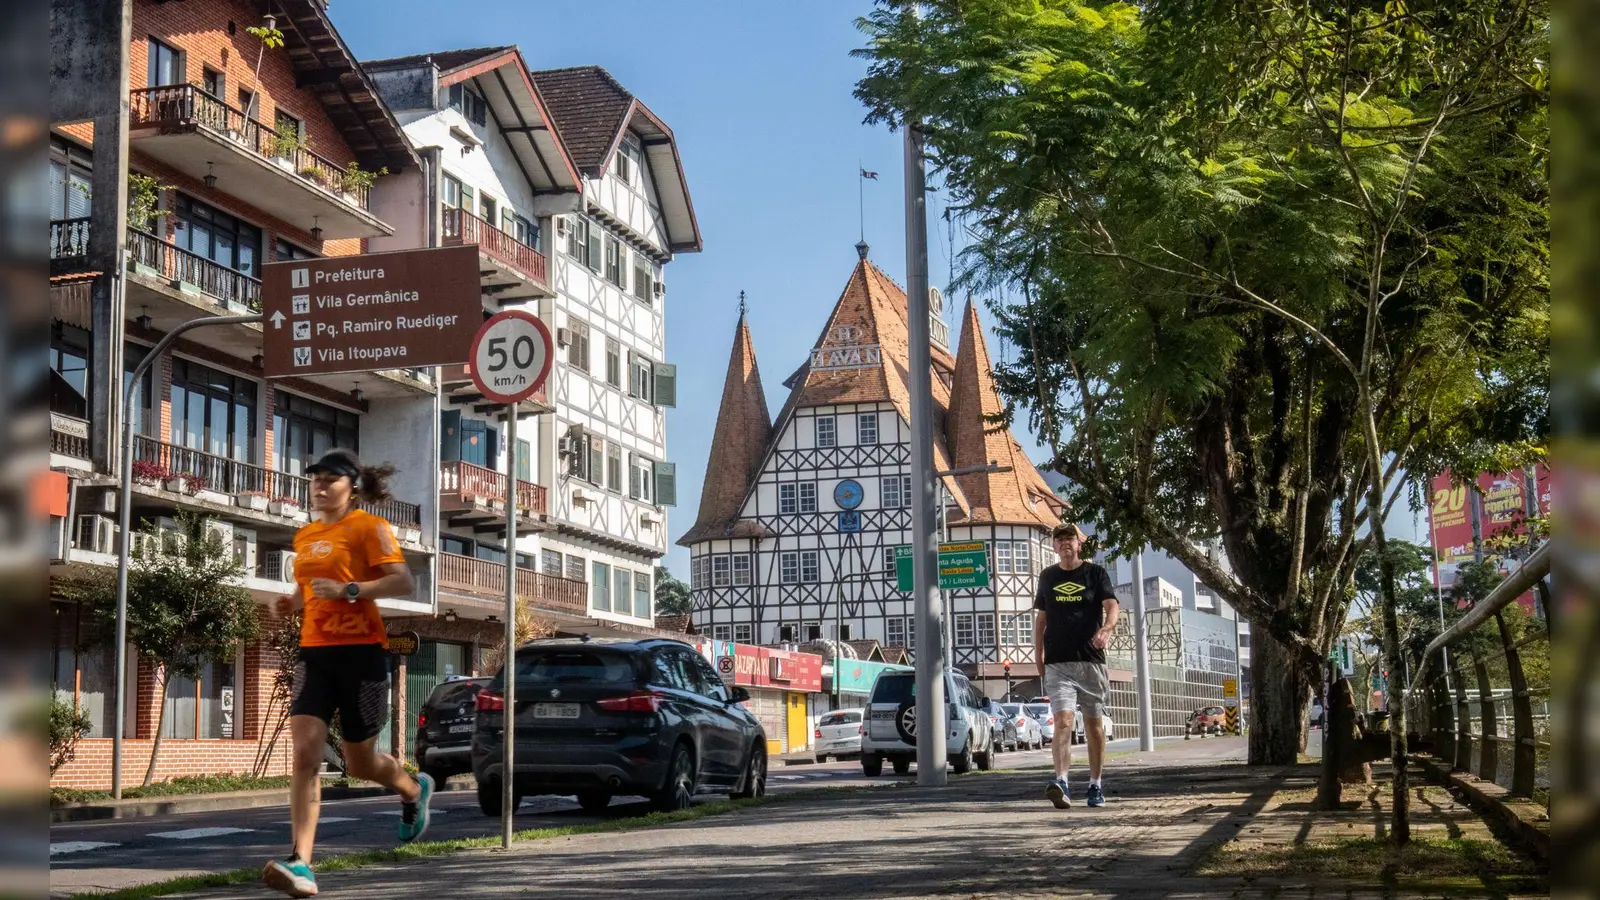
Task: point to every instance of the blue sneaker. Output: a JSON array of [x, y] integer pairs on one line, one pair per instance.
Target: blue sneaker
[[1097, 797], [414, 816], [291, 876], [1059, 794]]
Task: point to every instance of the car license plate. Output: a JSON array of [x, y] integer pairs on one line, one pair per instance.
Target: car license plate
[[555, 710], [883, 715], [461, 729]]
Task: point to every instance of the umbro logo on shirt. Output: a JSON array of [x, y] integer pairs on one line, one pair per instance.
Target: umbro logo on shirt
[[1069, 592]]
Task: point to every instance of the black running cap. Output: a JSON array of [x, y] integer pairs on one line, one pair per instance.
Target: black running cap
[[336, 462]]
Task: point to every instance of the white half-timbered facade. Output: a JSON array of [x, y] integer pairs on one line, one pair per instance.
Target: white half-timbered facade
[[797, 528]]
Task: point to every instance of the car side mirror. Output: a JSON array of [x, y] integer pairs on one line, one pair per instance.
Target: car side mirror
[[739, 695], [985, 701]]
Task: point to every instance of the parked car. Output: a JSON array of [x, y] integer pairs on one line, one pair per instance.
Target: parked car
[[1005, 730], [839, 734], [600, 717], [1047, 720], [1028, 730], [1078, 736], [445, 725], [891, 732], [1207, 720], [1316, 714]]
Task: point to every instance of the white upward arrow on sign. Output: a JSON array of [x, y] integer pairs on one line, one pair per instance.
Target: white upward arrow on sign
[[277, 319]]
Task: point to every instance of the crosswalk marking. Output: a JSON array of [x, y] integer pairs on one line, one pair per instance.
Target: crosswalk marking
[[323, 820], [189, 834], [79, 846], [396, 812]]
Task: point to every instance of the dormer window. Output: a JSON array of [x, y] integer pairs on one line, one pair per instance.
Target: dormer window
[[629, 160], [466, 101]]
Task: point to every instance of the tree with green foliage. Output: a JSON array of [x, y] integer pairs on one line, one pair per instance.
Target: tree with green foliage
[[672, 595], [68, 724], [186, 606], [1264, 264]]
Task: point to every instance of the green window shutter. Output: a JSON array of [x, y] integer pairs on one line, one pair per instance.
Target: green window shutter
[[666, 393], [666, 484]]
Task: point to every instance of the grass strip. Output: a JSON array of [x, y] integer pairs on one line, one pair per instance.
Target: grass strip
[[1465, 866], [188, 784], [425, 849]]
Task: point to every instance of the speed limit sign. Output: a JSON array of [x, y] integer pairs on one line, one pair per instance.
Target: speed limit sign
[[511, 356]]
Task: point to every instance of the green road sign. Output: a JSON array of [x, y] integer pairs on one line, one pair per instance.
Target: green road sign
[[960, 566]]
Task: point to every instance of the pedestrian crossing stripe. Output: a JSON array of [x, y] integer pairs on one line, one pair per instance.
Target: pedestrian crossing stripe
[[79, 846], [190, 834]]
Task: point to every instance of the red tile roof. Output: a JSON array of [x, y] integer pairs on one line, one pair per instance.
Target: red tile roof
[[447, 60], [738, 446], [590, 109]]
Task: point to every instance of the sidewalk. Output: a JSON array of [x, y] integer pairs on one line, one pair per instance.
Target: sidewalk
[[986, 836]]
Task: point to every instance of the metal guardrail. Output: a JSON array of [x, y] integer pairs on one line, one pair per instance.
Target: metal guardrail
[[177, 264], [1471, 731]]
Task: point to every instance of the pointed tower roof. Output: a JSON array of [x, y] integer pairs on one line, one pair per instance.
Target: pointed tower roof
[[1017, 497], [744, 429]]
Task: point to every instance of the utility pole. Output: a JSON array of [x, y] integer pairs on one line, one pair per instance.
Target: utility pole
[[1141, 658], [944, 526], [929, 618]]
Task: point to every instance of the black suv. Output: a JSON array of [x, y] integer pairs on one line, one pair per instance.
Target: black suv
[[444, 728], [601, 717]]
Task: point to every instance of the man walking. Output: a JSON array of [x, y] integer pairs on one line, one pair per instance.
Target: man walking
[[1077, 611]]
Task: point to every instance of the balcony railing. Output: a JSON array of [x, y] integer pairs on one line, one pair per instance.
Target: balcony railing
[[69, 245], [488, 579], [474, 482], [230, 476], [186, 104], [462, 227], [69, 436], [177, 264]]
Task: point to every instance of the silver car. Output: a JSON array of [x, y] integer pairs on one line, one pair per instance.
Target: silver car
[[839, 735], [1029, 735], [1047, 720]]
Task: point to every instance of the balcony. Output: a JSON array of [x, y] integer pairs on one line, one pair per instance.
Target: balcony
[[69, 437], [228, 478], [473, 496], [459, 390], [481, 578], [69, 246], [511, 271], [200, 135], [238, 292]]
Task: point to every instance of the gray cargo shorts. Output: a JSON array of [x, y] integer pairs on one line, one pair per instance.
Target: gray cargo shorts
[[1076, 685]]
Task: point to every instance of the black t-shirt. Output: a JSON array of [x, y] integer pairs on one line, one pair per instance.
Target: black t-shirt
[[1073, 605]]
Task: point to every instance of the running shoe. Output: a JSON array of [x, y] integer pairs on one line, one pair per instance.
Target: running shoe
[[291, 876], [1097, 797], [414, 816], [1059, 794]]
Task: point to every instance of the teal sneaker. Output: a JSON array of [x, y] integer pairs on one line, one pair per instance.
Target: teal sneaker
[[1058, 793], [290, 876], [414, 816], [1097, 797]]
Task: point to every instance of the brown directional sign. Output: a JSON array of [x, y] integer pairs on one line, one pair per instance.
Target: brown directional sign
[[406, 309]]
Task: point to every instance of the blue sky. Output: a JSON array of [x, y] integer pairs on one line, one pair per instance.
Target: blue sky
[[759, 96]]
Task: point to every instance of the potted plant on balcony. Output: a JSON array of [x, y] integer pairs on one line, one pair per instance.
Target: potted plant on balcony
[[287, 507], [354, 180], [175, 482], [410, 534], [256, 500], [144, 201], [148, 473]]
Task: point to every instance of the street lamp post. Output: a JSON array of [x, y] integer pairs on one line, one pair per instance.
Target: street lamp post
[[944, 530]]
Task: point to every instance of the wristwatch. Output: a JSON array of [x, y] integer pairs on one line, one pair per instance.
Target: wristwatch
[[352, 592]]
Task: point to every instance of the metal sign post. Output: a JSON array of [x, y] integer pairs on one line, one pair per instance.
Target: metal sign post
[[1141, 660], [511, 358]]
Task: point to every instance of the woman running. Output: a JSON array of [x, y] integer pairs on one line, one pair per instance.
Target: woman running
[[344, 559]]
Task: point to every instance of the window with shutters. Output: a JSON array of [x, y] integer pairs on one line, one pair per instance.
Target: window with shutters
[[466, 101], [810, 566], [616, 262], [614, 466], [490, 208], [575, 449], [666, 483], [578, 350], [597, 460], [827, 431], [985, 623], [787, 502], [641, 378], [963, 629], [789, 567], [867, 428], [741, 570], [808, 496], [550, 562], [644, 282], [664, 390], [721, 570], [613, 362], [577, 566], [600, 588], [641, 478], [583, 242]]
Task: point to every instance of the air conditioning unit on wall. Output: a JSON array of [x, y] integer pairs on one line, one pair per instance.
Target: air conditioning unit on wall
[[564, 337], [649, 520], [581, 497], [280, 566], [96, 534], [661, 290], [244, 549]]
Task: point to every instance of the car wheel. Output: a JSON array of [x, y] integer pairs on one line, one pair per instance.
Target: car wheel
[[755, 775], [901, 765], [678, 792], [491, 799], [871, 766], [963, 764], [594, 801], [986, 759]]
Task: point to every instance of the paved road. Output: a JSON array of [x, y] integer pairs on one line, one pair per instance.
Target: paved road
[[119, 853]]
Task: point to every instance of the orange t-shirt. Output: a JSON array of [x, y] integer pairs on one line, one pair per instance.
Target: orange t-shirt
[[351, 549]]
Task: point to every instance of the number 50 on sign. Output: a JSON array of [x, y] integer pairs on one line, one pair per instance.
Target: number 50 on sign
[[511, 356]]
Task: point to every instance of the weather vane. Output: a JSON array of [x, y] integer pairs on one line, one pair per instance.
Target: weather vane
[[741, 303]]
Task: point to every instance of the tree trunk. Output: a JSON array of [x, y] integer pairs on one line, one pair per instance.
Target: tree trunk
[[1400, 814], [1279, 696], [161, 725]]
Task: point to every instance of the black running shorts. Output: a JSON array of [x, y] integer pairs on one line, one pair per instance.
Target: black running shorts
[[352, 680]]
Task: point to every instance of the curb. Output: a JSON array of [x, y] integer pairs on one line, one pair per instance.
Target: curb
[[1527, 822], [188, 803]]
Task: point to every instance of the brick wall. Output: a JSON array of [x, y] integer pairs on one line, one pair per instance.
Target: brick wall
[[91, 768]]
